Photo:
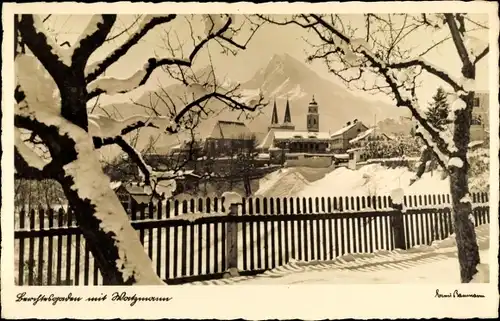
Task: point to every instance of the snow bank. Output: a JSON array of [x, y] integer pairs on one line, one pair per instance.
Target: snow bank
[[282, 183], [374, 179]]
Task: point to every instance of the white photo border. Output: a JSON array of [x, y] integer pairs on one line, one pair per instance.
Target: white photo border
[[250, 302]]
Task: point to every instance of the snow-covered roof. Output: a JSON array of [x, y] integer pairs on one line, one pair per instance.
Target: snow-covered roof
[[267, 141], [134, 189], [343, 129], [143, 198], [301, 135], [362, 135], [115, 185], [355, 149], [475, 143], [230, 130], [341, 156]]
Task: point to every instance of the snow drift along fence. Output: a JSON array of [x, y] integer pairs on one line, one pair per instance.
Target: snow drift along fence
[[190, 240]]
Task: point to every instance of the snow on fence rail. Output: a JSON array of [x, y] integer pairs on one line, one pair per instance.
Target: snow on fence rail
[[190, 241]]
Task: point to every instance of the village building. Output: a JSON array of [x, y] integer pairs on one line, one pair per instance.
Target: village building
[[357, 145], [284, 141], [340, 140], [479, 130], [133, 195], [227, 137]]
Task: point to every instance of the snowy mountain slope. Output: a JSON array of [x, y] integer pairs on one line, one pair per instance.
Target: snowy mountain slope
[[286, 77]]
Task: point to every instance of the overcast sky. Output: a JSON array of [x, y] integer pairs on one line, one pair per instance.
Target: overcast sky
[[269, 40]]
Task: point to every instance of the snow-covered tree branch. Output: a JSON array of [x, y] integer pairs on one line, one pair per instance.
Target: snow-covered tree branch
[[148, 23], [54, 105]]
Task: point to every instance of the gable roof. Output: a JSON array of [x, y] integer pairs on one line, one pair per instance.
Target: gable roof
[[346, 128], [224, 129], [273, 134], [301, 135], [368, 132], [267, 140], [362, 135]]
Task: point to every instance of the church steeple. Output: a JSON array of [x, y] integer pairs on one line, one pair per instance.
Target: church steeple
[[274, 119], [288, 117], [287, 120]]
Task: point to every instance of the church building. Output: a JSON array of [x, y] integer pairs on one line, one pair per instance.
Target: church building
[[283, 139]]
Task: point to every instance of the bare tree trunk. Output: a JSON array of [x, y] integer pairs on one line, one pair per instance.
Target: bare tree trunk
[[468, 251]]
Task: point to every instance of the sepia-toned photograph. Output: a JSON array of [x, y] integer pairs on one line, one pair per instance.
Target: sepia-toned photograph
[[251, 149]]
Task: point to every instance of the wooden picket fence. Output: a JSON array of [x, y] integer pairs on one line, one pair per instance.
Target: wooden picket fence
[[190, 240]]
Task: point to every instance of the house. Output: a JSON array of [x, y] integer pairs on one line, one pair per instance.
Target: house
[[228, 136], [368, 135], [479, 130], [292, 142], [357, 145], [341, 138], [131, 194]]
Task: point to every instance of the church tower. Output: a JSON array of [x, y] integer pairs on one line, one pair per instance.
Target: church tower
[[287, 120], [274, 118], [313, 117]]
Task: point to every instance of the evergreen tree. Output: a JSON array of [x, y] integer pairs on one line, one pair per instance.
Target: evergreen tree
[[437, 113]]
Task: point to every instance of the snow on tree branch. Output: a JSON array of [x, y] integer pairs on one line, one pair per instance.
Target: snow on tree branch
[[148, 23], [35, 87], [104, 126], [53, 58], [91, 38], [112, 86], [27, 162], [25, 171], [430, 68], [136, 157]]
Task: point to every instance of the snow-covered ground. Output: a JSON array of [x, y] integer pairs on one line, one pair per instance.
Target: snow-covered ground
[[376, 179], [433, 264], [282, 183]]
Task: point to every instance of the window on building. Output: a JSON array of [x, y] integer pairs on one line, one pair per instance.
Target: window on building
[[314, 121], [476, 102]]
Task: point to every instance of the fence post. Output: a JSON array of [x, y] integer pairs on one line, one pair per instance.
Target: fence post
[[397, 222], [234, 200], [232, 244]]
